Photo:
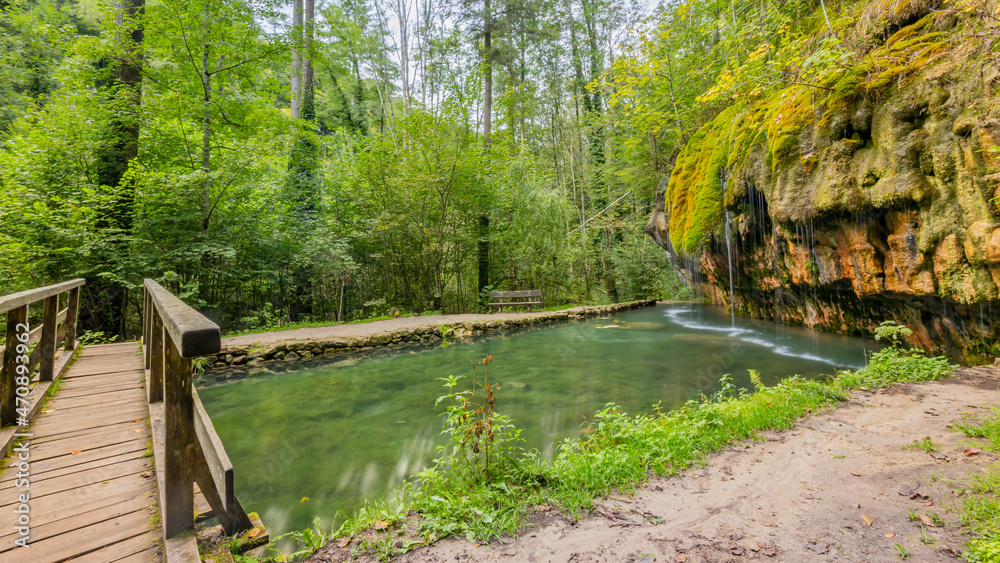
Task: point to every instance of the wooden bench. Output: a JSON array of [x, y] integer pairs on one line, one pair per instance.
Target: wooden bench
[[528, 298]]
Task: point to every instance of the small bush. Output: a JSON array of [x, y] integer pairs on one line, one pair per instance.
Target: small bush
[[895, 364]]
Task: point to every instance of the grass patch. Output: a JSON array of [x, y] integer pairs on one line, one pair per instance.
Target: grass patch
[[923, 444], [484, 486], [980, 511]]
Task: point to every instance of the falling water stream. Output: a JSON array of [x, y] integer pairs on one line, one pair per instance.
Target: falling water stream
[[729, 256]]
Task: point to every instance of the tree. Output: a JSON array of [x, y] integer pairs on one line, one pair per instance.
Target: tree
[[108, 295]]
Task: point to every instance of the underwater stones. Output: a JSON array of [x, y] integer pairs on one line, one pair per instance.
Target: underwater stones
[[291, 356]]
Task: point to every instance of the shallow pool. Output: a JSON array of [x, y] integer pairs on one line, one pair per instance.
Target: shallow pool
[[315, 438]]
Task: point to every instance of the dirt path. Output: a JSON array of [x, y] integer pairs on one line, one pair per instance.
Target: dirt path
[[389, 325], [829, 489]]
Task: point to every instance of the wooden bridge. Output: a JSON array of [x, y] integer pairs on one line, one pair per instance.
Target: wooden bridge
[[111, 456]]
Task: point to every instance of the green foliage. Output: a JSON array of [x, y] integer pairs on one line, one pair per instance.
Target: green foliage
[[464, 494], [924, 444], [896, 334], [623, 450], [481, 441], [980, 511], [895, 363]]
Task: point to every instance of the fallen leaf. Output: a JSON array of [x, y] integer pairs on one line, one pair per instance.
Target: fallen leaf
[[304, 499], [543, 508], [765, 523], [890, 535], [137, 420], [145, 474], [254, 532], [855, 473], [927, 521], [736, 550], [74, 452], [137, 430], [866, 520], [680, 558], [929, 503], [343, 542], [381, 525], [972, 451]]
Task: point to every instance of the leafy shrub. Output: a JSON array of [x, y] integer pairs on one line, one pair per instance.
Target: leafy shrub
[[895, 363]]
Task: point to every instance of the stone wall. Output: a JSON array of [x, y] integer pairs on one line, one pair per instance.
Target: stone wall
[[300, 350]]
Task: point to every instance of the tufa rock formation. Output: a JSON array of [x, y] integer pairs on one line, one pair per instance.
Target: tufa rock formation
[[871, 195]]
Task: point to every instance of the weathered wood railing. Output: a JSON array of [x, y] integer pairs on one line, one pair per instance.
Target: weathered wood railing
[[186, 448], [41, 348]]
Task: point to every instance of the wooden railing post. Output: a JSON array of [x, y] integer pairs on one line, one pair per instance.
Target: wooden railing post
[[47, 343], [178, 474], [187, 450], [154, 351], [8, 414], [72, 314], [147, 324]]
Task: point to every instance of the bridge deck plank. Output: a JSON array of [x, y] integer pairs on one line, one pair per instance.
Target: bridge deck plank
[[92, 491]]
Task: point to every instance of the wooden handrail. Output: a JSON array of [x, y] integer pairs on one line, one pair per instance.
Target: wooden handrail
[[193, 334], [14, 300], [186, 448], [40, 348]]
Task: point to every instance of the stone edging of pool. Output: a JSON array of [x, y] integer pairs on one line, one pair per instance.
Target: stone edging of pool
[[292, 350]]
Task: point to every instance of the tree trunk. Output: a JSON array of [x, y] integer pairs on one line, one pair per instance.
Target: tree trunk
[[488, 81], [484, 216], [111, 296], [296, 58]]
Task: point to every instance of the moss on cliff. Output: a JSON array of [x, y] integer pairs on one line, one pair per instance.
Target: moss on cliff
[[788, 127]]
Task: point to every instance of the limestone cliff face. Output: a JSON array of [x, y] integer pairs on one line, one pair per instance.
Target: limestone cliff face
[[875, 200]]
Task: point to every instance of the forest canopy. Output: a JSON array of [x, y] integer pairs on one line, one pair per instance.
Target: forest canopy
[[273, 163]]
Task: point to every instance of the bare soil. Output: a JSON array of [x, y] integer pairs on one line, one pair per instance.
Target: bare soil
[[837, 487], [364, 329]]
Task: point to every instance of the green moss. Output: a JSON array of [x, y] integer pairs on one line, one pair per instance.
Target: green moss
[[772, 126], [695, 188]]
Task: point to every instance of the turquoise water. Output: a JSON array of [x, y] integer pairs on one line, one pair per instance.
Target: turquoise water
[[339, 431]]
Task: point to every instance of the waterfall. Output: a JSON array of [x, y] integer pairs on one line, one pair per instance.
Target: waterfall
[[729, 256]]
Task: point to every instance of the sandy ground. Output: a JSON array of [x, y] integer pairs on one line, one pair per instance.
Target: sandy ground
[[837, 487], [387, 325]]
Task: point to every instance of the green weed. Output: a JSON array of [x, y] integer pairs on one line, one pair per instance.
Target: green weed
[[980, 511], [923, 444], [895, 364]]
